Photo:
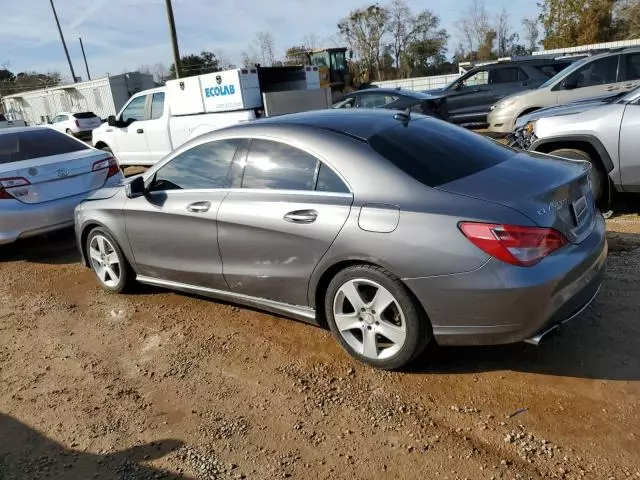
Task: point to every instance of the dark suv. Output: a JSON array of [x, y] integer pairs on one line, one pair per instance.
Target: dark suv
[[470, 97]]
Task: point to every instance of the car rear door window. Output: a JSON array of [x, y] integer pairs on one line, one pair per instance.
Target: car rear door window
[[435, 153], [508, 75], [632, 66], [278, 166], [598, 72], [329, 181], [36, 143], [204, 166]]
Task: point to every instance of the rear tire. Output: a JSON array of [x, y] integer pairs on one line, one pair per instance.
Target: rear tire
[[389, 338], [107, 261], [598, 176], [69, 132]]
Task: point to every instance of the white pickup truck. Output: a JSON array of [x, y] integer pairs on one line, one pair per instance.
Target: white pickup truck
[[6, 123], [155, 122]]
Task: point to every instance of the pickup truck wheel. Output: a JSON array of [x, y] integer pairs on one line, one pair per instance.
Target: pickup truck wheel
[[598, 176]]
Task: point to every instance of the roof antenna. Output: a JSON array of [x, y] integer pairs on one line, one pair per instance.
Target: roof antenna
[[405, 115]]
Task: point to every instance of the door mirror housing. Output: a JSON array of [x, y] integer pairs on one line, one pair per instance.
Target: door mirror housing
[[111, 120], [570, 83], [136, 187], [457, 86]]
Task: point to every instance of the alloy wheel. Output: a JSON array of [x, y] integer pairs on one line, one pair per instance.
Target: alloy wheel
[[105, 261], [369, 319]]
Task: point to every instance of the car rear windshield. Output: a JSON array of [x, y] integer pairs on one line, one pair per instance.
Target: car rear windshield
[[85, 115], [28, 144], [435, 153]]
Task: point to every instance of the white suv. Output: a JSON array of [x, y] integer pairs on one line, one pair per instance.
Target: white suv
[[79, 124], [595, 76]]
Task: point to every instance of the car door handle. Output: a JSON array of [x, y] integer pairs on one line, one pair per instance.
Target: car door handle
[[611, 88], [139, 130], [301, 216], [199, 207]]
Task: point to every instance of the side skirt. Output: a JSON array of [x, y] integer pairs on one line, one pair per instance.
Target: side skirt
[[304, 314]]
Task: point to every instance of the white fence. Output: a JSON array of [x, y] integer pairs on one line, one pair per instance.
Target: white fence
[[419, 84]]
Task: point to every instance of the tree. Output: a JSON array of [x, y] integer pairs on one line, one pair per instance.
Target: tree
[[364, 30], [577, 22], [532, 34], [296, 55], [406, 29], [192, 65], [25, 81], [506, 38], [627, 19], [261, 51], [476, 31]]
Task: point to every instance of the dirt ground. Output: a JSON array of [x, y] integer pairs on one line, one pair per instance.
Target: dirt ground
[[162, 385]]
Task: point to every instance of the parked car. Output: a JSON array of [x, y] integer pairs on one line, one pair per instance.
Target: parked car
[[79, 124], [394, 99], [393, 230], [470, 97], [603, 133], [8, 123], [44, 174], [598, 75]]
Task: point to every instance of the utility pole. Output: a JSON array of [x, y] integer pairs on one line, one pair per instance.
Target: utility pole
[[64, 45], [174, 39], [86, 65]]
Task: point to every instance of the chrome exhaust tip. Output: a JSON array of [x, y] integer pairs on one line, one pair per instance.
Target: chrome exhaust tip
[[537, 339]]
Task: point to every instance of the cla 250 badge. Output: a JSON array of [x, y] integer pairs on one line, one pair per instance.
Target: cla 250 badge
[[552, 206]]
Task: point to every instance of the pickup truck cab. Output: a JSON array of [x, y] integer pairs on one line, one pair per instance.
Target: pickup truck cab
[[6, 123], [155, 122]]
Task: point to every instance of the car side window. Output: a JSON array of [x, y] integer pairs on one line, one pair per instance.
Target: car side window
[[157, 105], [508, 75], [348, 102], [329, 181], [479, 78], [277, 166], [136, 109], [598, 72], [204, 166], [632, 66], [374, 100]]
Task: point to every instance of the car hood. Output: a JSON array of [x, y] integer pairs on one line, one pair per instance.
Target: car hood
[[568, 109]]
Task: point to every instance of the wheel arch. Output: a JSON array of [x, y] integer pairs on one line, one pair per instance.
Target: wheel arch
[[586, 143]]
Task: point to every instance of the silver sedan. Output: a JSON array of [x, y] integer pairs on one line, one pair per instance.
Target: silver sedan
[[392, 230], [44, 174]]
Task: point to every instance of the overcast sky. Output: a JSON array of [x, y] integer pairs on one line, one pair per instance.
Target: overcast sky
[[121, 35]]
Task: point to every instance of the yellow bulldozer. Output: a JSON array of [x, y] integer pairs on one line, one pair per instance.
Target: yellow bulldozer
[[334, 70]]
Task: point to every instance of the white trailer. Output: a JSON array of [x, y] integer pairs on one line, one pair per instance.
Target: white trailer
[[103, 96]]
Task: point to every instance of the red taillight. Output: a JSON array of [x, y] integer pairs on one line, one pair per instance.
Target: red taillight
[[110, 163], [517, 245], [11, 182], [78, 123]]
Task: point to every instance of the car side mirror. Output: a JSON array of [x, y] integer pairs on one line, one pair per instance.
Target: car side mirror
[[111, 120], [457, 86], [136, 187], [570, 83]]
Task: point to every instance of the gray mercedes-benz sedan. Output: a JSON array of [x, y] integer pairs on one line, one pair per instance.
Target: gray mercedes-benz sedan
[[392, 230]]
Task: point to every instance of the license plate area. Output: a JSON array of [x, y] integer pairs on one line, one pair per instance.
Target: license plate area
[[580, 209]]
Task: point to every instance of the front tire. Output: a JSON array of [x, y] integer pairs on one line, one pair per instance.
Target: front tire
[[375, 318], [69, 132], [107, 261], [598, 176]]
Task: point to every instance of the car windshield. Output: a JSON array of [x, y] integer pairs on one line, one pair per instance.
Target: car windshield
[[565, 73], [36, 143], [436, 153]]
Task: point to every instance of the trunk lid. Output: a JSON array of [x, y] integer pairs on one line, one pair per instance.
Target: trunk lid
[[87, 121], [55, 177], [552, 192]]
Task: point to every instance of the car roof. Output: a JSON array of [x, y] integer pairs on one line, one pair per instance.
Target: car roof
[[5, 131], [360, 123], [391, 91]]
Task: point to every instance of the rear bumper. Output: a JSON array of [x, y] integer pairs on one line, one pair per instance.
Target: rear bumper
[[21, 220], [499, 303]]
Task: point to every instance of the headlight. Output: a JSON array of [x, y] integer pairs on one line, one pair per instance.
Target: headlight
[[504, 103]]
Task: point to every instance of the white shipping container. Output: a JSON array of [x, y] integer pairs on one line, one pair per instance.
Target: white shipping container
[[103, 96]]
